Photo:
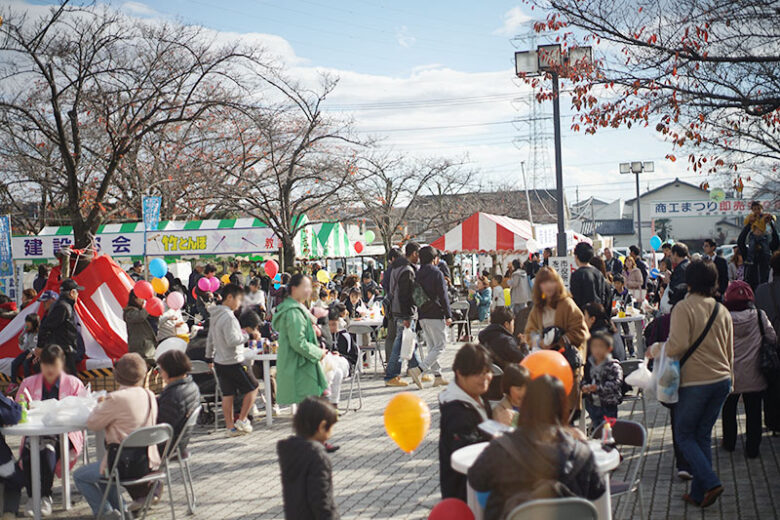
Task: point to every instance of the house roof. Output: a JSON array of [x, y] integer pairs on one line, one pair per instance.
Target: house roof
[[675, 181], [623, 226]]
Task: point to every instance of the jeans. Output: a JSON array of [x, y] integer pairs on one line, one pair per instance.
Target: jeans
[[752, 402], [696, 411], [21, 361], [394, 362], [679, 457], [86, 480], [435, 333], [597, 413], [754, 242], [390, 339]]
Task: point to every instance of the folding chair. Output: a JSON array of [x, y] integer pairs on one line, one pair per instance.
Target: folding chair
[[628, 433], [628, 367], [464, 308], [555, 509], [177, 454], [358, 329], [141, 438], [200, 368]]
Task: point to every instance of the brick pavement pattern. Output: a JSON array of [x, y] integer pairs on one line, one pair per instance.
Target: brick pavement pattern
[[238, 478]]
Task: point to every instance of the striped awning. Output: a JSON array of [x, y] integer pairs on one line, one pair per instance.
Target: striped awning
[[164, 225], [486, 233]]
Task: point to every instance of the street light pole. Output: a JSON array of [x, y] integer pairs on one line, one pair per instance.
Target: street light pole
[[637, 167], [561, 242], [638, 213]]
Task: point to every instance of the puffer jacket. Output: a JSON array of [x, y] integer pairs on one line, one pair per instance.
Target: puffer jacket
[[747, 345], [608, 378], [307, 482], [175, 403]]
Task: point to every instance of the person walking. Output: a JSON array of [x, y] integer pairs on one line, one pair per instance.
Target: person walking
[[768, 300], [587, 283], [700, 337], [519, 288], [751, 327], [404, 311], [386, 304], [435, 316], [58, 326]]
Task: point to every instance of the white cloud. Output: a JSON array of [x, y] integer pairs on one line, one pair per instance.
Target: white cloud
[[513, 21], [404, 37], [139, 9]]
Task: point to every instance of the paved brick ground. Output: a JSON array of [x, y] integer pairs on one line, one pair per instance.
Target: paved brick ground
[[238, 478]]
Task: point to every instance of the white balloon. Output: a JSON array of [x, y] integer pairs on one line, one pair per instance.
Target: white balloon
[[173, 343]]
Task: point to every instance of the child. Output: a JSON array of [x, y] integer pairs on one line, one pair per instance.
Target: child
[[757, 220], [513, 385], [622, 294], [353, 302], [225, 346], [603, 387], [322, 301], [497, 299], [28, 341], [307, 474]]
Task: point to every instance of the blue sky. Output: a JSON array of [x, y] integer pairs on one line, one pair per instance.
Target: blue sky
[[435, 77]]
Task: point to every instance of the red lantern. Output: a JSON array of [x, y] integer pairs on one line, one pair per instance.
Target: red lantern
[[358, 247]]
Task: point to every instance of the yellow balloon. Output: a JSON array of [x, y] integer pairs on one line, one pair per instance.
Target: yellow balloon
[[407, 419], [225, 278], [507, 298], [323, 276], [160, 285]]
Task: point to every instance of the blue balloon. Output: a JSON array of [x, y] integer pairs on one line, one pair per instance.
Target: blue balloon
[[278, 278], [655, 242], [654, 273], [277, 285], [482, 498], [158, 268]]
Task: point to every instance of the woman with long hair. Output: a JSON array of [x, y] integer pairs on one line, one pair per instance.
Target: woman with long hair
[[141, 336], [542, 448], [634, 279], [736, 266]]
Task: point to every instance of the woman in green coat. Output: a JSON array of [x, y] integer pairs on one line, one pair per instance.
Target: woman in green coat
[[298, 370]]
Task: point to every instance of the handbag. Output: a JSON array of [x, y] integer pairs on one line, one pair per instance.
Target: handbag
[[134, 462], [769, 358]]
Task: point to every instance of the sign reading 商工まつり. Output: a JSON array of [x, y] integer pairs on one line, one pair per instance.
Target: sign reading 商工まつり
[[696, 208]]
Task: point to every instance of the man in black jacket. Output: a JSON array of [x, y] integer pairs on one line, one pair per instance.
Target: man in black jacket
[[59, 325], [390, 339], [435, 315], [404, 311], [180, 397], [711, 254], [677, 286], [587, 283], [502, 345]]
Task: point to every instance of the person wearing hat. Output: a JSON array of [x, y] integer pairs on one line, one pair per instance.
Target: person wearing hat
[[749, 382], [123, 411], [58, 326], [137, 271]]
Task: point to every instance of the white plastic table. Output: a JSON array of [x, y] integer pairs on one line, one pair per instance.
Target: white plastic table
[[34, 430], [266, 359], [638, 322], [462, 459]]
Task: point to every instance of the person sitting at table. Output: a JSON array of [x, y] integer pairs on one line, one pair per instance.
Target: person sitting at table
[[51, 383], [537, 459], [514, 383], [352, 302], [121, 412], [340, 343], [179, 397], [503, 346], [463, 408], [11, 477]]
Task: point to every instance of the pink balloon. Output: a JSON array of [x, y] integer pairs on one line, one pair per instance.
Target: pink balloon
[[143, 289], [175, 300], [204, 284], [271, 268], [214, 284], [154, 306]]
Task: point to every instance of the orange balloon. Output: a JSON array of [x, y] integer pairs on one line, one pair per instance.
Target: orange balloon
[[160, 285], [407, 419], [552, 363]]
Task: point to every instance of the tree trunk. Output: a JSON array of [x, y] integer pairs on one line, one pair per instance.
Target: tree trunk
[[288, 254]]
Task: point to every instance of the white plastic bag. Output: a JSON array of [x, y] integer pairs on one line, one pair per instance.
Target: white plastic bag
[[407, 343], [641, 377], [666, 373]]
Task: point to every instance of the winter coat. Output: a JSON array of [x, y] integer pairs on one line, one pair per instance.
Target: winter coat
[[677, 286], [460, 417], [69, 385], [519, 288], [432, 281], [504, 350], [175, 403], [567, 317], [344, 345], [634, 279], [747, 346], [141, 338], [10, 414], [614, 265], [307, 480], [226, 339], [28, 341], [736, 272], [498, 471], [58, 326], [608, 378], [401, 289], [768, 300], [483, 298], [587, 286], [299, 373]]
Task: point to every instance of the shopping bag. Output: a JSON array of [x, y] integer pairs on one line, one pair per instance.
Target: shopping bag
[[407, 343], [641, 377], [666, 372]]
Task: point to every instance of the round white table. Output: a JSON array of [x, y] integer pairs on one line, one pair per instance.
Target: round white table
[[253, 355], [462, 459], [638, 322]]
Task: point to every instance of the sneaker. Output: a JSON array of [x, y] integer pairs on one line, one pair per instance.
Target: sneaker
[[396, 381], [440, 381], [426, 378], [684, 475], [235, 432], [255, 411], [244, 426], [276, 410], [416, 374]]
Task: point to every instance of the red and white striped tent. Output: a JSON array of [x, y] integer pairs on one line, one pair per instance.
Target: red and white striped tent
[[486, 233]]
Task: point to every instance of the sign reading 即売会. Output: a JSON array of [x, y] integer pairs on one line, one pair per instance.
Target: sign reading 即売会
[[151, 210], [696, 208]]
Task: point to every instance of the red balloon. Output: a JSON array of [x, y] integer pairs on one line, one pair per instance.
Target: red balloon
[[154, 306], [552, 363], [271, 268], [143, 289], [451, 509], [358, 247]]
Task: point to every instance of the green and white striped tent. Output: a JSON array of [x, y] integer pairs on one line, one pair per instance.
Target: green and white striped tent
[[307, 243], [334, 240]]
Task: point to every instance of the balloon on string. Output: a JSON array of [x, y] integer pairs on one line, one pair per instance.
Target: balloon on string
[[143, 289], [370, 237], [552, 363], [154, 306], [278, 277], [204, 284], [271, 268], [358, 247], [175, 300], [225, 278], [160, 285], [451, 509], [656, 242], [654, 273], [407, 419], [213, 284], [158, 268], [323, 276]]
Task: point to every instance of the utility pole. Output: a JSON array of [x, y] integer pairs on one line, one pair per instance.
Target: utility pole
[[527, 197]]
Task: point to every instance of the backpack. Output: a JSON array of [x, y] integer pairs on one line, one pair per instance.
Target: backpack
[[419, 296]]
